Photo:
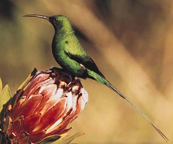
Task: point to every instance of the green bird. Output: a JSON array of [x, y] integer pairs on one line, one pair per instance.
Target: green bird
[[71, 56]]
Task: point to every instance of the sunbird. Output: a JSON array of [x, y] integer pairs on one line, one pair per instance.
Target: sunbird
[[70, 55]]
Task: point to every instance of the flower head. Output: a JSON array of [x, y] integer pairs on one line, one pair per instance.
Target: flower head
[[46, 103]]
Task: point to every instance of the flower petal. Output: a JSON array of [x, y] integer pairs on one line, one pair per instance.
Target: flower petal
[[16, 127], [52, 115], [84, 99], [52, 101], [36, 136], [31, 122], [47, 92], [78, 105], [30, 105], [36, 83], [22, 138], [59, 129]]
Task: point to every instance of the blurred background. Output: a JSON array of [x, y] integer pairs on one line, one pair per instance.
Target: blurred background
[[130, 40]]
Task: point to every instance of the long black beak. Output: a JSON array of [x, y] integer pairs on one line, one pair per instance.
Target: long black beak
[[38, 16]]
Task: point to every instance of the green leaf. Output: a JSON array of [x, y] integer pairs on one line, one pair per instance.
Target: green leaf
[[6, 124], [5, 95], [49, 139], [68, 140], [3, 139], [63, 139], [0, 85]]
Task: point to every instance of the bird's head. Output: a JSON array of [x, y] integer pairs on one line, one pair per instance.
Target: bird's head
[[58, 21]]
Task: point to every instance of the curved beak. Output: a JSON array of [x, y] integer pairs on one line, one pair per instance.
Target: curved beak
[[38, 16]]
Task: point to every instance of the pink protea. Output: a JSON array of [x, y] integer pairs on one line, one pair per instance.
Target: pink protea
[[46, 103]]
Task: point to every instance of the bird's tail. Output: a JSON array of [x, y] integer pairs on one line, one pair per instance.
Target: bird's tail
[[103, 80]]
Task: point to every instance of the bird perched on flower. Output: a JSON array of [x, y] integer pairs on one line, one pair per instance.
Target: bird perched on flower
[[71, 56]]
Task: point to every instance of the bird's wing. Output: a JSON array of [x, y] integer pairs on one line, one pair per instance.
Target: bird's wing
[[85, 60]]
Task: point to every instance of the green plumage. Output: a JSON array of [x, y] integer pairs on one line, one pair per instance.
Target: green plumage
[[71, 56], [69, 53]]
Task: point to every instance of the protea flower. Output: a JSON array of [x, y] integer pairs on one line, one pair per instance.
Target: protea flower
[[43, 107]]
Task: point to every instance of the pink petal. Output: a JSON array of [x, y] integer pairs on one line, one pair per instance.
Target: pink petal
[[22, 138], [66, 120], [74, 113], [36, 136], [57, 132], [16, 109], [16, 128], [36, 83], [52, 115], [71, 115], [60, 128], [47, 92], [83, 100], [29, 106], [52, 101], [31, 122]]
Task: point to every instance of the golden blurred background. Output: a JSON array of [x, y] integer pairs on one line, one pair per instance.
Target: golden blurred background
[[130, 40]]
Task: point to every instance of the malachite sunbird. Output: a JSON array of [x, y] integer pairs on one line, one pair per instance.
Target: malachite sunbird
[[71, 56]]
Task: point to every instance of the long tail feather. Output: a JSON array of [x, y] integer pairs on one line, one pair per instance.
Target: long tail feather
[[155, 127], [102, 80]]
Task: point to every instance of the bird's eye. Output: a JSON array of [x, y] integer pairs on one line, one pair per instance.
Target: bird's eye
[[56, 19]]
